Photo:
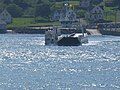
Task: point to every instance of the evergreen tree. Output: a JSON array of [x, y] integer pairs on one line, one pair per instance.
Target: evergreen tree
[[15, 10], [7, 2]]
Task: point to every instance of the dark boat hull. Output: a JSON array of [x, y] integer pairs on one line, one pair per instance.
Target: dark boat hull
[[69, 41]]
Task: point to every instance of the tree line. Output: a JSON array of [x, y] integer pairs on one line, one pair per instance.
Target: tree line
[[34, 8], [28, 8]]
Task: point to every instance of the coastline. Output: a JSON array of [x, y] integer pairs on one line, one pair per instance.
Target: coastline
[[39, 30]]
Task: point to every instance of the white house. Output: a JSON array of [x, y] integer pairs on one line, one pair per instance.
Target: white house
[[67, 16], [95, 14], [85, 4], [5, 16], [64, 14]]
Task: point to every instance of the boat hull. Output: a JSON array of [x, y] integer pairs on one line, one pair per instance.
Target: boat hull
[[69, 41]]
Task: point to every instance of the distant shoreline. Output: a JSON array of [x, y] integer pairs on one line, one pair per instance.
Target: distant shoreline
[[38, 30]]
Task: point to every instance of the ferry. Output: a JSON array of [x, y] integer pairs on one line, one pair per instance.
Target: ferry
[[53, 37]]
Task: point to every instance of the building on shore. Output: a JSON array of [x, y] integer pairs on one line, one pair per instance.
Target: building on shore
[[5, 16], [65, 15], [95, 14]]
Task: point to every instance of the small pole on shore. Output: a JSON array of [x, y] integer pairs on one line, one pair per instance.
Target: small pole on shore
[[115, 9], [82, 30], [115, 19]]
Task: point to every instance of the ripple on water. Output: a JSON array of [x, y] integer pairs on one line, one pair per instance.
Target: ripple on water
[[25, 63]]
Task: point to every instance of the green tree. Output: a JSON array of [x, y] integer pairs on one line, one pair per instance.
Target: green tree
[[81, 13], [7, 1], [43, 10], [14, 10], [17, 2], [30, 12], [2, 5]]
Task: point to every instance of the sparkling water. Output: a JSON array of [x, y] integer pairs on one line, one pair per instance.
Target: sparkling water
[[27, 64]]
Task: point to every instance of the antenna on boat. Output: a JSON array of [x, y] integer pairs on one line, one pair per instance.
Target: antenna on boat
[[81, 27], [82, 30]]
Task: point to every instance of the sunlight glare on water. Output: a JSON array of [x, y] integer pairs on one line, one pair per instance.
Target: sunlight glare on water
[[27, 64]]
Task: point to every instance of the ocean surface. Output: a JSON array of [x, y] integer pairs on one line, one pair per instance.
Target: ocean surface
[[27, 64]]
